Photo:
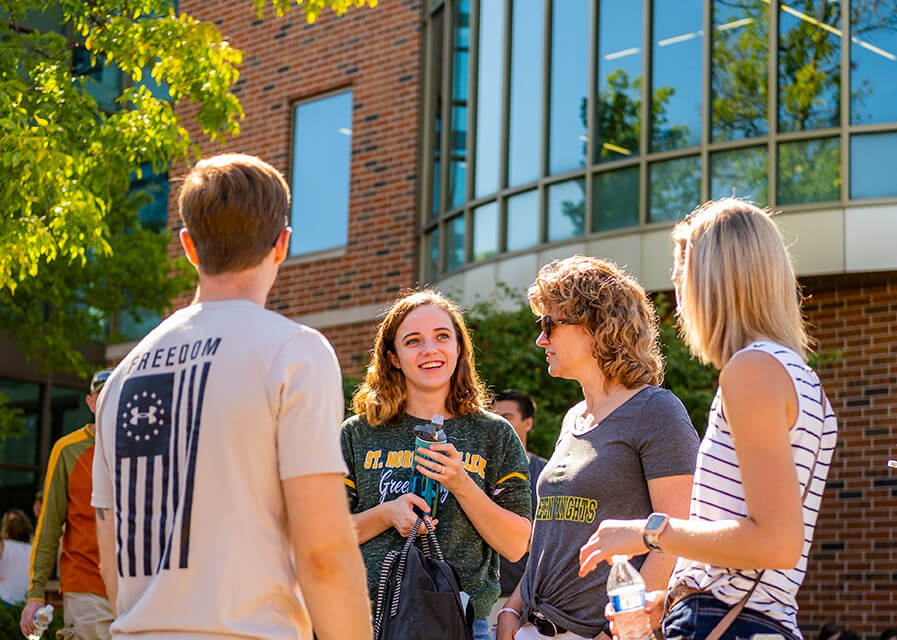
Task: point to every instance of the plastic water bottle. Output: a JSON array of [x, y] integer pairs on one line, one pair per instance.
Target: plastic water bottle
[[626, 592], [421, 485], [42, 619]]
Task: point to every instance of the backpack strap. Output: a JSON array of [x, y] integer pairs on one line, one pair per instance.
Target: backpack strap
[[428, 538], [388, 564]]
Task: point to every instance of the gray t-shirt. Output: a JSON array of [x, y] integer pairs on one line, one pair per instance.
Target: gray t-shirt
[[600, 474]]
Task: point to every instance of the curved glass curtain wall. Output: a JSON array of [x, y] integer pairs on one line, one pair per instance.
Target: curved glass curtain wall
[[596, 117]]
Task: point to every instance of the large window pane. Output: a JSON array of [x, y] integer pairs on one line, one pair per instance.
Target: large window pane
[[489, 96], [872, 166], [615, 199], [525, 139], [675, 188], [322, 149], [619, 101], [454, 243], [809, 64], [485, 231], [436, 27], [743, 173], [873, 61], [739, 69], [569, 85], [69, 408], [676, 74], [458, 132], [566, 210], [431, 258], [809, 171], [523, 221], [21, 449]]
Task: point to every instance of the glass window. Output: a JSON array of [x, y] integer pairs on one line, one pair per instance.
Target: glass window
[[676, 74], [743, 173], [489, 96], [103, 80], [872, 166], [809, 64], [153, 190], [458, 132], [873, 61], [566, 210], [619, 84], [431, 259], [454, 243], [739, 69], [615, 199], [436, 27], [525, 139], [322, 149], [523, 221], [69, 408], [674, 188], [569, 85], [134, 324], [485, 231], [809, 171], [21, 449]]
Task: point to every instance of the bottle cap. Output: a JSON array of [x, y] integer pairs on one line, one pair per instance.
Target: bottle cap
[[618, 559]]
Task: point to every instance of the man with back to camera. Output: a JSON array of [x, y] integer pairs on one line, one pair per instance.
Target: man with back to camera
[[66, 505], [520, 410], [218, 479]]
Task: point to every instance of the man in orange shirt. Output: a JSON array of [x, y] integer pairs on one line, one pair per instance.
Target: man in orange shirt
[[67, 490]]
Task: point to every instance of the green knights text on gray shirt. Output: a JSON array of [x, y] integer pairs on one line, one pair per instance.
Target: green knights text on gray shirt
[[379, 461]]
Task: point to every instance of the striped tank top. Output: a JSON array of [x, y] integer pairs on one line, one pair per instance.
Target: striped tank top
[[718, 494]]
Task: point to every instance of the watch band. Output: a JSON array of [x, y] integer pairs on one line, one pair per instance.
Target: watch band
[[649, 536]]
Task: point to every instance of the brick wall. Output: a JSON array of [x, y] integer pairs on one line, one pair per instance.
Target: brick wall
[[852, 576], [376, 54]]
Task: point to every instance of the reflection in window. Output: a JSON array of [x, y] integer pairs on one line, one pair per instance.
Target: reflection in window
[[809, 171], [676, 74], [431, 259], [458, 132], [485, 231], [436, 71], [523, 221], [569, 85], [873, 61], [489, 97], [152, 190], [809, 65], [615, 199], [102, 80], [22, 448], [872, 166], [739, 69], [524, 140], [619, 101], [566, 210], [322, 148], [69, 408], [743, 173], [675, 188], [454, 243]]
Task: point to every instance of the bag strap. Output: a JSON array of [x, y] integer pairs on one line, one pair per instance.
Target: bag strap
[[729, 618]]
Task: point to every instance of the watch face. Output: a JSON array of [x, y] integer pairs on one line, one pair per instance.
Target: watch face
[[654, 522]]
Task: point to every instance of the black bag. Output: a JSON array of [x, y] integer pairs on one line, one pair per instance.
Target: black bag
[[419, 596]]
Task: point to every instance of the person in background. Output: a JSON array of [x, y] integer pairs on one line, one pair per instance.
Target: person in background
[[66, 504], [15, 553], [771, 434], [520, 410]]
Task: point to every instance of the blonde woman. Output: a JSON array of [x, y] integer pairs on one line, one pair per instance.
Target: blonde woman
[[626, 450], [422, 364], [771, 432]]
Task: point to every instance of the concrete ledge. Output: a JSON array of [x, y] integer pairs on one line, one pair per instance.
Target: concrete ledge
[[340, 317]]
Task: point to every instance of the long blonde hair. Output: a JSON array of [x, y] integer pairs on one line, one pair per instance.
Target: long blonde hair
[[383, 396], [734, 282]]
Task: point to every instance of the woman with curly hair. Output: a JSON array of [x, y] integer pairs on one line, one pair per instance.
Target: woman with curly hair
[[627, 449], [422, 365]]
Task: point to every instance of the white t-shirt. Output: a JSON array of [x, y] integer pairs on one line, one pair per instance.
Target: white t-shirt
[[196, 429], [15, 564]]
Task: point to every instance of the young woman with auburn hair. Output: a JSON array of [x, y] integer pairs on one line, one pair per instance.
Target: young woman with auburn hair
[[771, 432], [626, 449], [422, 364]]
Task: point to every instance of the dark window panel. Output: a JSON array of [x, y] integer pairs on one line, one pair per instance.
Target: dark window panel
[[489, 106], [454, 243], [566, 210], [809, 171], [485, 231], [436, 25], [615, 199], [431, 265], [674, 188], [743, 173], [458, 132], [523, 221]]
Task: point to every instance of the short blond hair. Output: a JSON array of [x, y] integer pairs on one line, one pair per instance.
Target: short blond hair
[[734, 282], [612, 306]]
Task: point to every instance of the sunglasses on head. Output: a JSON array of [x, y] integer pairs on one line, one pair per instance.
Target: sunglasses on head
[[546, 322]]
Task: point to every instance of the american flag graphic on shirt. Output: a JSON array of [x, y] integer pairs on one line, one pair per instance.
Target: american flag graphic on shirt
[[156, 440]]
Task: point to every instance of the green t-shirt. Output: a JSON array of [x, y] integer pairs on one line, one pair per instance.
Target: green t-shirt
[[379, 461]]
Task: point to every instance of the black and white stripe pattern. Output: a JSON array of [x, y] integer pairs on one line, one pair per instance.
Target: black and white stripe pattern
[[718, 493]]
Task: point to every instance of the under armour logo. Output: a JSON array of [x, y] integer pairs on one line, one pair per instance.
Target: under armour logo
[[149, 416]]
